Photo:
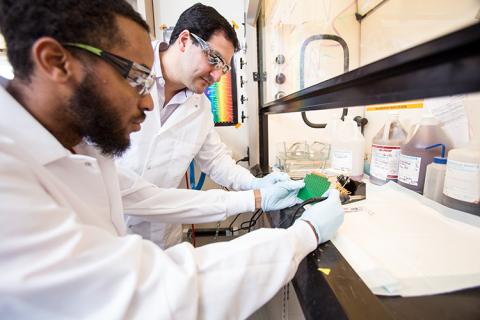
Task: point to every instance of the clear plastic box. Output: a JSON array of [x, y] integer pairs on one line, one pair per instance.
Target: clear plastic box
[[302, 157]]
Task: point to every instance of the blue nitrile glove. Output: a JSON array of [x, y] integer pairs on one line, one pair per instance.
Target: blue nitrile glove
[[281, 195], [326, 216], [268, 180]]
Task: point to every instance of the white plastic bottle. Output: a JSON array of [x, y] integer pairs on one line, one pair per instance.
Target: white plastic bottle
[[462, 179], [435, 176], [386, 151], [348, 148]]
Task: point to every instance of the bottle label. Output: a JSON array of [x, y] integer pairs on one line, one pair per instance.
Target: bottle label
[[384, 163], [462, 181], [409, 169], [342, 159]]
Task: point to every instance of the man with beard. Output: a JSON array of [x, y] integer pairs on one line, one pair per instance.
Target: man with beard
[[180, 128], [82, 77]]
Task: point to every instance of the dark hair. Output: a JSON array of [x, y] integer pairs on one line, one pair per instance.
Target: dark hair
[[204, 21], [92, 22]]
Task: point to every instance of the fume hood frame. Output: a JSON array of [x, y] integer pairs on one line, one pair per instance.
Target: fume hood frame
[[444, 66]]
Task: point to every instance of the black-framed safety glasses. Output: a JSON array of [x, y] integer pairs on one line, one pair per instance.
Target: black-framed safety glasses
[[214, 58], [137, 75]]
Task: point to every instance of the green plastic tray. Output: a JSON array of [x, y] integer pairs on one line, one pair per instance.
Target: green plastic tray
[[315, 186]]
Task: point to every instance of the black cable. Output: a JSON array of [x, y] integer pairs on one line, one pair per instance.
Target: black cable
[[247, 225], [253, 219], [240, 160], [255, 222], [311, 200], [231, 224], [250, 221]]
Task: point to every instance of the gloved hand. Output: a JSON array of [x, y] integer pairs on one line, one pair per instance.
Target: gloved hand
[[268, 180], [326, 216], [281, 195]]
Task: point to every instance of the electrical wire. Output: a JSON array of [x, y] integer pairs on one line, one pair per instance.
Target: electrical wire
[[253, 219], [231, 224], [247, 225], [240, 160]]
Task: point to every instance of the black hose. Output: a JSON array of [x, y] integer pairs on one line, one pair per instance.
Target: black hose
[[346, 62]]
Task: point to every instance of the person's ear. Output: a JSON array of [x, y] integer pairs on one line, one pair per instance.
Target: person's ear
[[52, 60], [183, 40]]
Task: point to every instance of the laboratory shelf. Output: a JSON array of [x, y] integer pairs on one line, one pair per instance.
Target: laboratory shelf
[[445, 66]]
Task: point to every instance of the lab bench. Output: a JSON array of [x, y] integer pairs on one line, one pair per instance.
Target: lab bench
[[441, 67], [343, 295]]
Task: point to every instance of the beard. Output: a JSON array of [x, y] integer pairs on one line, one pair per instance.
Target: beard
[[95, 119]]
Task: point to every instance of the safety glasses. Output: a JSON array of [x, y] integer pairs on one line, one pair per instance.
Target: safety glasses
[[214, 58], [138, 76]]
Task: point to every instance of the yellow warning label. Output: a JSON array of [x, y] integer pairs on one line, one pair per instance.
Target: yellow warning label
[[325, 270], [397, 106]]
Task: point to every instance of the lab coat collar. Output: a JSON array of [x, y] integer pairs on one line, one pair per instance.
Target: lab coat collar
[[157, 66], [18, 124], [181, 97]]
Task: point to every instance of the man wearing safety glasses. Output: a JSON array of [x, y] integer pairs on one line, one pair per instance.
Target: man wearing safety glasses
[[82, 77], [181, 127], [139, 76]]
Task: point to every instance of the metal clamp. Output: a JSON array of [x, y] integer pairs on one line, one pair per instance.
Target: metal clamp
[[242, 63], [258, 78], [243, 99], [242, 82]]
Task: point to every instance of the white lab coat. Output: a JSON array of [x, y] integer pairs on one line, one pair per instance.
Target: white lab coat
[[64, 252], [162, 154]]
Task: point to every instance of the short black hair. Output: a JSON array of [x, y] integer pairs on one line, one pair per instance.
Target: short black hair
[[22, 22], [204, 21]]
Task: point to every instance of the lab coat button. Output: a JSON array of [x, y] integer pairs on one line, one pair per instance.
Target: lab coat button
[[149, 168], [88, 164]]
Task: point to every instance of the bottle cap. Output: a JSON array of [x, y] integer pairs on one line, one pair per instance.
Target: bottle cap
[[442, 159], [439, 160]]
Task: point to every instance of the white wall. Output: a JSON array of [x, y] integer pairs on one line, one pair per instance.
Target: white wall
[[133, 3], [5, 68]]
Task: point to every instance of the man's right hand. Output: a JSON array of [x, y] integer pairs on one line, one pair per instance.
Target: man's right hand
[[280, 195], [326, 216]]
